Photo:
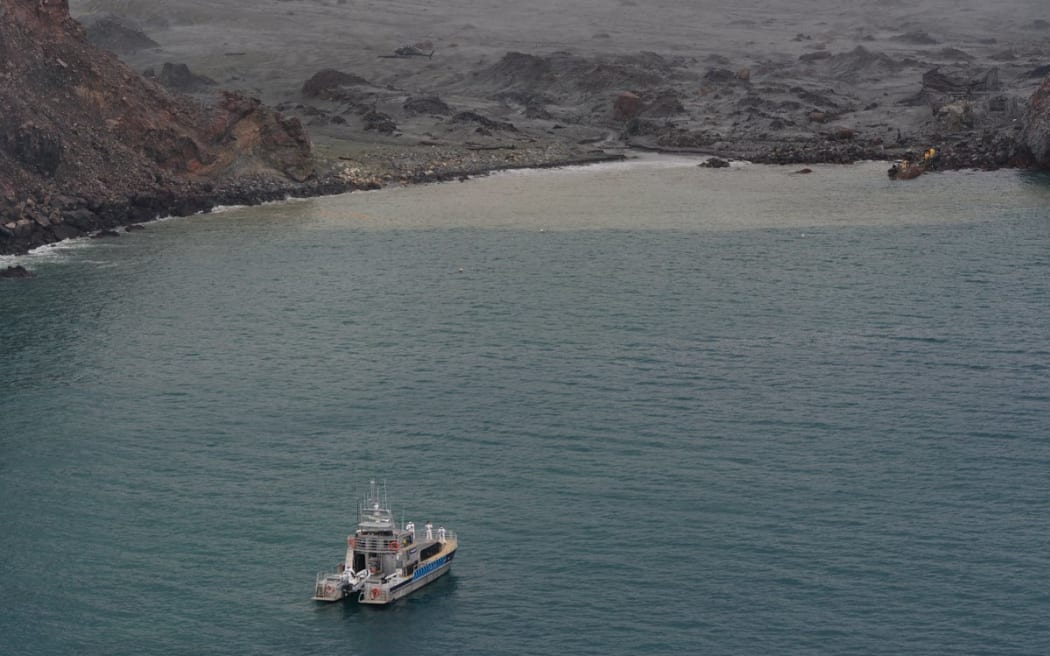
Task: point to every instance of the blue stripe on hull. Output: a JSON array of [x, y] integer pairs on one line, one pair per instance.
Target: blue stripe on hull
[[430, 567], [420, 577]]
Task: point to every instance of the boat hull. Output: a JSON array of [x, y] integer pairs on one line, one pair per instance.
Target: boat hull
[[384, 561], [381, 594]]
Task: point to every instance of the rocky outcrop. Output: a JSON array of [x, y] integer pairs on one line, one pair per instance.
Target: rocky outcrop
[[426, 105], [714, 163], [860, 64], [484, 122], [566, 77], [180, 78], [113, 34], [940, 88], [87, 144], [627, 106], [325, 81], [1035, 138], [252, 139], [16, 272]]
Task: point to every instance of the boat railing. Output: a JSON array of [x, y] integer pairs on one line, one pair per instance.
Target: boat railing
[[388, 544], [323, 578], [376, 544], [440, 534]]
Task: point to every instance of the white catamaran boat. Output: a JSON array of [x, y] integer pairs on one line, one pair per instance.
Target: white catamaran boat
[[383, 562]]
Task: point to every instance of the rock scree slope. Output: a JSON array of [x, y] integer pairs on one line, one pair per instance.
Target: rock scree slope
[[86, 143]]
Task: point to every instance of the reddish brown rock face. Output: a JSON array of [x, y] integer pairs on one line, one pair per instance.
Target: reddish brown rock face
[[57, 8], [77, 123], [627, 106]]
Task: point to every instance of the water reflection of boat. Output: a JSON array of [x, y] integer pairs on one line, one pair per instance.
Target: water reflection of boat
[[385, 562]]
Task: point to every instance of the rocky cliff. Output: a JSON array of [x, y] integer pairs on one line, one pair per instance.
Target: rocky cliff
[[1035, 138], [86, 143]]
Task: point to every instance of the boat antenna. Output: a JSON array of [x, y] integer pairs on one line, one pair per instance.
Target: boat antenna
[[370, 496]]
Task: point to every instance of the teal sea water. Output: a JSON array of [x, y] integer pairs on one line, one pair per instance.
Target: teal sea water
[[668, 410]]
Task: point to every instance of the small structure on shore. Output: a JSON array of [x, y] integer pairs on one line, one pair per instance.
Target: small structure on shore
[[906, 170]]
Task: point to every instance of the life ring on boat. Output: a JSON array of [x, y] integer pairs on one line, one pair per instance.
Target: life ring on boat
[[395, 545], [329, 589], [375, 592]]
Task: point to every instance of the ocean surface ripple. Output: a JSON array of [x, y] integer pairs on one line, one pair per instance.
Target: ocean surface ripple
[[667, 409]]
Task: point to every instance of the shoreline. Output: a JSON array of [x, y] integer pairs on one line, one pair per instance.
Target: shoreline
[[92, 221], [204, 198], [835, 86]]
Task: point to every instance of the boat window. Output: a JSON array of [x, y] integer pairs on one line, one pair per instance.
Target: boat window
[[429, 551]]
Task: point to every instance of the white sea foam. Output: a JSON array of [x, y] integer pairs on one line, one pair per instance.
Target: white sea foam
[[222, 209], [639, 160], [47, 253], [64, 250]]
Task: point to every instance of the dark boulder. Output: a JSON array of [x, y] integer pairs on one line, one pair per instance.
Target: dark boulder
[[325, 81], [714, 163], [65, 231], [719, 76], [484, 121], [814, 56], [379, 122], [180, 78], [841, 133], [934, 80], [426, 105], [113, 34], [521, 69], [1039, 71], [627, 106], [421, 49], [16, 272], [82, 218]]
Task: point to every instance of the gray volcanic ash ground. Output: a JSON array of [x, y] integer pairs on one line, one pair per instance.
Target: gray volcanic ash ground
[[810, 80]]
